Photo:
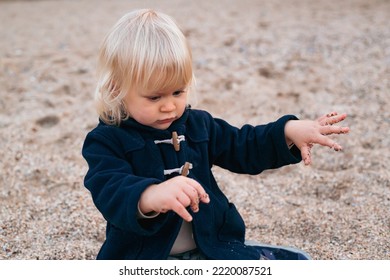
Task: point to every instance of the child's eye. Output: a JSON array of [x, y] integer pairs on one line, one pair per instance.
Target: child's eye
[[178, 92], [154, 98]]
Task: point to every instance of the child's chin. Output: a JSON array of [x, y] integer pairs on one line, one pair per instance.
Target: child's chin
[[162, 126]]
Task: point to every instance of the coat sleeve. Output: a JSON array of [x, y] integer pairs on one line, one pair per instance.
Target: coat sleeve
[[114, 188], [251, 149]]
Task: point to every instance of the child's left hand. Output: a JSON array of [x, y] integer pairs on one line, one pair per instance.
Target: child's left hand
[[305, 133]]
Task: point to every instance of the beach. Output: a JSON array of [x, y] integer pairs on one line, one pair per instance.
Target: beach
[[254, 62]]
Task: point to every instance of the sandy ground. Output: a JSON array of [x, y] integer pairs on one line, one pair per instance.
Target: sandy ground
[[254, 61]]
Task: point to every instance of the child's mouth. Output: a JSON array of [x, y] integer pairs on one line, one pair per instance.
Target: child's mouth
[[165, 121]]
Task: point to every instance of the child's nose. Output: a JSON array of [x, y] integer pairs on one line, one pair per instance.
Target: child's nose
[[168, 106]]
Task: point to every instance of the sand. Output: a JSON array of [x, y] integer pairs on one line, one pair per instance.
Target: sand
[[254, 62]]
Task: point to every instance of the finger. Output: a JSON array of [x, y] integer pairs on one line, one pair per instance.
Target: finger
[[205, 198], [328, 129], [306, 154], [184, 199], [327, 142], [336, 119], [332, 119], [179, 209], [195, 207], [192, 198], [198, 191], [322, 118], [331, 114]]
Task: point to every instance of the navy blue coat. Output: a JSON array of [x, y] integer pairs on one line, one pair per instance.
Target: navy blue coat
[[123, 161]]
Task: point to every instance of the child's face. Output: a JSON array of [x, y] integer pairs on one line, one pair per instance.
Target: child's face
[[156, 109]]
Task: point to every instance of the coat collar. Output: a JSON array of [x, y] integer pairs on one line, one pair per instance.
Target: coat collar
[[135, 133]]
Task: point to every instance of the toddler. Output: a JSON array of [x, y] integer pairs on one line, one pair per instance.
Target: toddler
[[150, 156]]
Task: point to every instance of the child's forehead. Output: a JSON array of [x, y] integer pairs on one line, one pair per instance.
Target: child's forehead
[[165, 83]]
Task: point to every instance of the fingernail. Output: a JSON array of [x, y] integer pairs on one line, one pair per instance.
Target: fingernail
[[195, 208]]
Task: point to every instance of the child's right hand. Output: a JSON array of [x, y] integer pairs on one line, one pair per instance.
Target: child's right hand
[[174, 194]]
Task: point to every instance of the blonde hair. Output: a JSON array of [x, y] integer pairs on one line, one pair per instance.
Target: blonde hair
[[145, 50]]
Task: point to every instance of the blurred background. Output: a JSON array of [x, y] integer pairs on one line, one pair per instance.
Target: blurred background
[[254, 60]]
